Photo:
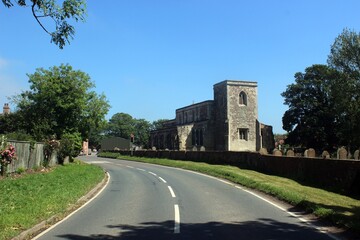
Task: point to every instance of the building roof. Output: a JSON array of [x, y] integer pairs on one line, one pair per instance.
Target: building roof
[[237, 82], [207, 102]]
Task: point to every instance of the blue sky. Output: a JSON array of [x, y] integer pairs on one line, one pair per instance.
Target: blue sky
[[150, 57]]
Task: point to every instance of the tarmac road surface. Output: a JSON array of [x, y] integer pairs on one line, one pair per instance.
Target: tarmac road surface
[[144, 201]]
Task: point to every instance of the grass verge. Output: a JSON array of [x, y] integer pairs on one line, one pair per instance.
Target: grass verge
[[341, 210], [32, 198]]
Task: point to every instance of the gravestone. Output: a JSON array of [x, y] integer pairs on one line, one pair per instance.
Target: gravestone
[[263, 151], [290, 153], [356, 154], [325, 154], [153, 148], [311, 153], [277, 152], [306, 153], [194, 149], [342, 153], [202, 149]]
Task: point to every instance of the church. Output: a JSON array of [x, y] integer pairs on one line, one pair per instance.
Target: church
[[6, 109], [227, 123]]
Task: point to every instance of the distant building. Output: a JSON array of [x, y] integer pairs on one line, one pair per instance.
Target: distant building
[[227, 123], [113, 143], [6, 109]]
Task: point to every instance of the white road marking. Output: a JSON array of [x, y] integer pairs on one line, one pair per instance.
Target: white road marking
[[153, 173], [320, 229], [290, 213], [171, 192], [68, 216], [97, 162], [177, 219], [141, 169], [129, 166], [162, 179]]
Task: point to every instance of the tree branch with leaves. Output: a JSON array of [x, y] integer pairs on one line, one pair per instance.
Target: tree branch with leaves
[[61, 14]]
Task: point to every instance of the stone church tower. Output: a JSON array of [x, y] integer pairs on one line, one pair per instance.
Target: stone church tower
[[227, 123], [236, 116], [6, 109]]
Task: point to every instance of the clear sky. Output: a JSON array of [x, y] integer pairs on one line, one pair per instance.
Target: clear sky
[[150, 57]]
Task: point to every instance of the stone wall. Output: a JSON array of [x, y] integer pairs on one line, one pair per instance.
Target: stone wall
[[221, 123], [243, 116], [267, 137], [340, 175], [195, 135], [227, 123], [236, 116]]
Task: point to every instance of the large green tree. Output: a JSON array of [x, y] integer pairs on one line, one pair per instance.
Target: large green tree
[[324, 102], [121, 125], [61, 100], [61, 13], [142, 132], [158, 124], [125, 126], [310, 119], [345, 54], [345, 57]]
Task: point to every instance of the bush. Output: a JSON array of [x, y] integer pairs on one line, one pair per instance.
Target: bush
[[20, 170], [70, 146], [109, 154], [20, 136]]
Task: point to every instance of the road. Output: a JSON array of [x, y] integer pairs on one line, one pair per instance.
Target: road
[[144, 201]]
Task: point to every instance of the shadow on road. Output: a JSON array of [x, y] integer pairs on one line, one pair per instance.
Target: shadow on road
[[260, 229]]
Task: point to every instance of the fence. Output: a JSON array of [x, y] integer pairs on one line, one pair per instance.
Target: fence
[[29, 156]]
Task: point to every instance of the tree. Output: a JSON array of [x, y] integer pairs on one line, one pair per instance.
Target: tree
[[345, 57], [345, 54], [311, 119], [335, 119], [8, 123], [158, 124], [121, 125], [70, 146], [59, 101], [142, 132], [60, 14], [124, 125], [94, 122]]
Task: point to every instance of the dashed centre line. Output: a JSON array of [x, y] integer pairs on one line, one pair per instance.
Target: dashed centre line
[[162, 179], [177, 219], [172, 192], [177, 210], [153, 173], [176, 206]]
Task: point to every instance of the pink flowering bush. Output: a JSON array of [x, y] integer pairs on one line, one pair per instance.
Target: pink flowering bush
[[7, 154]]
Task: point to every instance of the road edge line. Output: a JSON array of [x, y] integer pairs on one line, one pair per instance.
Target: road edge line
[[89, 197]]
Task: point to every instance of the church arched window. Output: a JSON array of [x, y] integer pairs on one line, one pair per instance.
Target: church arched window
[[242, 98]]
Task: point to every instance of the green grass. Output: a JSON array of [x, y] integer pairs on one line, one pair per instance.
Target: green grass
[[341, 210], [32, 198]]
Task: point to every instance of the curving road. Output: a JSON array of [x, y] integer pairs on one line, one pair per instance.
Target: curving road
[[144, 201]]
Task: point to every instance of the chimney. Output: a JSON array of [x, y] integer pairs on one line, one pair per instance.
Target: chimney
[[6, 108]]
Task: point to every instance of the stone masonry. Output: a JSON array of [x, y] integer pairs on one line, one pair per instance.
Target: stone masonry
[[227, 123]]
